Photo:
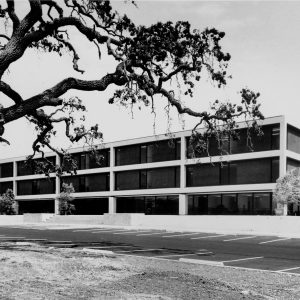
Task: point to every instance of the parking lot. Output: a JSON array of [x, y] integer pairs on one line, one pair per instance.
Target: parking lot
[[270, 253]]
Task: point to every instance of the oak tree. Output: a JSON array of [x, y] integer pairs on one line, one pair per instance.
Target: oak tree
[[148, 60]]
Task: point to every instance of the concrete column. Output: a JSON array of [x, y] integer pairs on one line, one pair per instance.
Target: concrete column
[[183, 204], [182, 162], [283, 157], [112, 205], [17, 207], [111, 172], [15, 177], [57, 188]]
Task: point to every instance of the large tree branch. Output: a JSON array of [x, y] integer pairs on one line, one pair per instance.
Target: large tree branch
[[12, 14], [9, 92]]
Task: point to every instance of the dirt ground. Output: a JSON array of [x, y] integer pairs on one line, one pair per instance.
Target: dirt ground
[[29, 271]]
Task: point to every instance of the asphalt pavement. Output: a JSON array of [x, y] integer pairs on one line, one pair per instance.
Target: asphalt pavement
[[270, 253]]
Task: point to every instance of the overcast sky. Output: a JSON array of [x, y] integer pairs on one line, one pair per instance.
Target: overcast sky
[[261, 36]]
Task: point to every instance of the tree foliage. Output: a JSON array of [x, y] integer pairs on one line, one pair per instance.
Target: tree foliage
[[148, 60], [8, 203], [287, 189], [65, 199]]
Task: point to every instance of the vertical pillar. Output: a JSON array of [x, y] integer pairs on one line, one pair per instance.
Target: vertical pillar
[[15, 177], [183, 204], [17, 207], [57, 188], [111, 172], [283, 157], [182, 162], [112, 205]]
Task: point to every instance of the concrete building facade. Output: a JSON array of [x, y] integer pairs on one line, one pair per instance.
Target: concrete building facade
[[157, 175]]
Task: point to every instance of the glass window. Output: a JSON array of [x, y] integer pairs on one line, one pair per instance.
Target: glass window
[[6, 170], [229, 203], [163, 151], [214, 204], [293, 139], [161, 178], [88, 183], [90, 206], [32, 167], [262, 204], [36, 187], [203, 175], [36, 206], [197, 205], [127, 180], [127, 155], [4, 186], [292, 164], [244, 203], [87, 160]]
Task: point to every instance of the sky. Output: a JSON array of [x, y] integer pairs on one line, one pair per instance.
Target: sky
[[261, 36]]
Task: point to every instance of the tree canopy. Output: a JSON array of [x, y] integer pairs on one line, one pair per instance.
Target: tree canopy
[[148, 59]]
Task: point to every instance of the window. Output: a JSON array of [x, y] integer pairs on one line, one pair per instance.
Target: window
[[88, 183], [147, 153], [31, 167], [148, 179], [6, 170], [248, 141], [293, 139], [292, 164], [250, 171], [87, 160], [4, 186], [230, 204], [151, 205], [36, 206], [36, 187], [90, 206]]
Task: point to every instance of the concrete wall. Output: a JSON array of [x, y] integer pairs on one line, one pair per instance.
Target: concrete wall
[[11, 220], [36, 218], [77, 219]]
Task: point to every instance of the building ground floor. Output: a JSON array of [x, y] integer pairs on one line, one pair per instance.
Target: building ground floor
[[229, 203]]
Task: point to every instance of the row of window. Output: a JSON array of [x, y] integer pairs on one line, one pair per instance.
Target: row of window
[[248, 141], [265, 170], [230, 204]]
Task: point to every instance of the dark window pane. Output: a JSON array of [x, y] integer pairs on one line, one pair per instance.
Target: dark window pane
[[275, 169], [6, 170], [36, 187], [292, 164], [161, 178], [197, 205], [229, 203], [4, 186], [203, 175], [87, 160], [149, 205], [88, 183], [244, 203], [128, 180], [262, 204], [90, 206], [127, 155], [36, 206], [214, 204], [29, 168], [131, 205], [163, 151], [293, 139]]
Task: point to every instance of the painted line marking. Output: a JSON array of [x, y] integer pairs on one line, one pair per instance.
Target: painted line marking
[[12, 237], [103, 247], [155, 233], [183, 234], [141, 250], [49, 241], [91, 229], [109, 230], [288, 269], [129, 232], [272, 241], [174, 255], [210, 236], [241, 238], [242, 259]]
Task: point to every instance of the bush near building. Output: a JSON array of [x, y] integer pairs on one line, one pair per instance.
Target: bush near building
[[8, 203], [65, 199], [287, 189]]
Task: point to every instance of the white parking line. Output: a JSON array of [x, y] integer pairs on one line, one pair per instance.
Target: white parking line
[[241, 259], [129, 232], [110, 230], [154, 233], [288, 269], [241, 238], [91, 229], [141, 250], [12, 237], [272, 241], [103, 247], [209, 236], [183, 234]]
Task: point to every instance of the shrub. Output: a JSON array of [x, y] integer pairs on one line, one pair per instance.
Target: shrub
[[65, 199], [8, 203]]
